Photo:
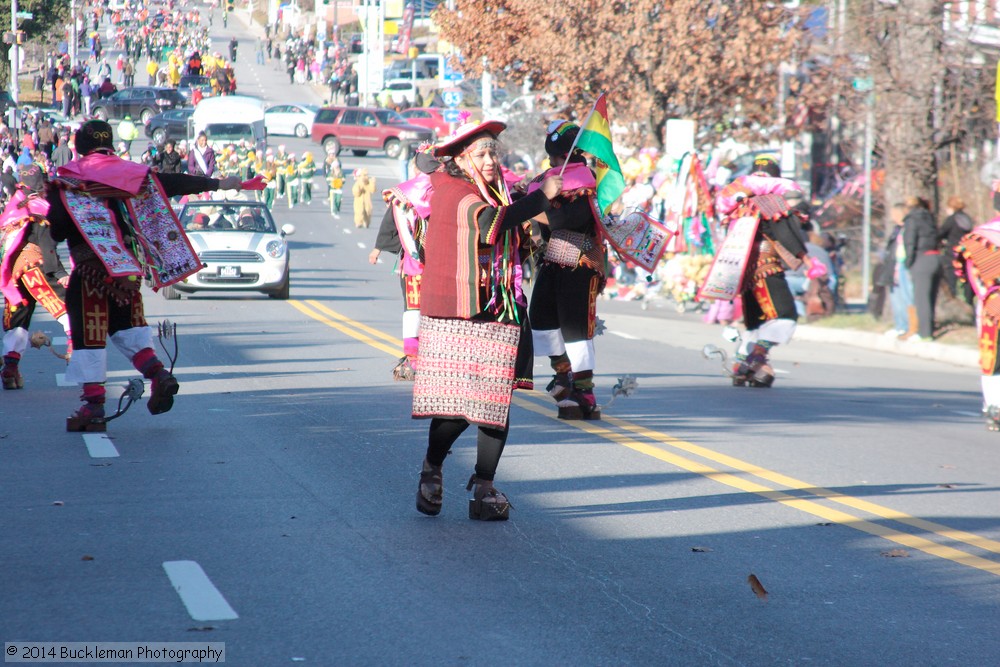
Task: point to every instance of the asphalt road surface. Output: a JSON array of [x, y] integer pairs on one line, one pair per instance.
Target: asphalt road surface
[[861, 491]]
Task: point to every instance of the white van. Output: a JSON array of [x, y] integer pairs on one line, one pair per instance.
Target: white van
[[229, 118]]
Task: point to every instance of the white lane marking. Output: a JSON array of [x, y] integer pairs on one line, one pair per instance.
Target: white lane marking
[[61, 381], [203, 600], [621, 334], [968, 413], [99, 445]]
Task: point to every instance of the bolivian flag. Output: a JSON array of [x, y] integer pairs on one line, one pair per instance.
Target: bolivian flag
[[595, 138]]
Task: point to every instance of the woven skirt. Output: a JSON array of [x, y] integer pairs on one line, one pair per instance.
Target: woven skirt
[[467, 369]]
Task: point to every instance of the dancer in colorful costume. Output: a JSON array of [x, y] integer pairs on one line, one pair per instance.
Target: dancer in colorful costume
[[769, 238], [570, 277], [119, 225], [402, 231], [977, 262], [30, 270], [474, 346]]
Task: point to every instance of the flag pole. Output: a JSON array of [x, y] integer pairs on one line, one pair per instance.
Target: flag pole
[[587, 121]]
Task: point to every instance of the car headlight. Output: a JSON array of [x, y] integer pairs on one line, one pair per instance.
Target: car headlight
[[275, 249]]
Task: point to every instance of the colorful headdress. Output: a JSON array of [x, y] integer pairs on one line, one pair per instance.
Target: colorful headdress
[[559, 137]]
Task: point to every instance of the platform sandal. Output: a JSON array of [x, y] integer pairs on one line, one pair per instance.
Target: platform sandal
[[430, 490], [487, 503]]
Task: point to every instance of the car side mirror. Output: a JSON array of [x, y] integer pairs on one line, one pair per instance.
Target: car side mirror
[[287, 229]]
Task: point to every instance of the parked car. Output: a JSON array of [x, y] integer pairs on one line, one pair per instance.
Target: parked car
[[57, 118], [239, 247], [139, 102], [430, 117], [366, 128], [294, 119], [191, 81], [171, 124]]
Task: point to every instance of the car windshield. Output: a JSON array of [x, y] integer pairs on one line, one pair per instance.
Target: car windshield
[[389, 116], [227, 217], [228, 131]]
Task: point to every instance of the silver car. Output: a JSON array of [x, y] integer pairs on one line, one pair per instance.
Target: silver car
[[294, 119], [239, 246]]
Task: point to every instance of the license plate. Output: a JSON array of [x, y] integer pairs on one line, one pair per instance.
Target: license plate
[[229, 272]]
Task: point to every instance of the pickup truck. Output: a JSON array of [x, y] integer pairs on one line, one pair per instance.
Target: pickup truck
[[362, 129]]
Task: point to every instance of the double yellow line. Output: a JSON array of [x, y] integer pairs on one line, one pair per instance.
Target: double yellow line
[[742, 475]]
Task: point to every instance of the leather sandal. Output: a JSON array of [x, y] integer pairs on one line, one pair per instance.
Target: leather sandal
[[430, 490], [487, 503]]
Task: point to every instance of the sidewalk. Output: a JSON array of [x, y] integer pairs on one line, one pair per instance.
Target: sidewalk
[[689, 331], [959, 355]]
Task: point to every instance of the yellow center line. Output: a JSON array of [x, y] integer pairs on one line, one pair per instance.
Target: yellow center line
[[354, 323], [360, 332], [367, 340], [792, 483], [802, 504]]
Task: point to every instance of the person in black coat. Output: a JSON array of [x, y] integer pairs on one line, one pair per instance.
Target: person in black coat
[[920, 239], [168, 160], [955, 226]]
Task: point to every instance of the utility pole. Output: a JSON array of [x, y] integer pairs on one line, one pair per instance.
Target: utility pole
[[866, 226], [73, 34], [15, 54], [336, 27]]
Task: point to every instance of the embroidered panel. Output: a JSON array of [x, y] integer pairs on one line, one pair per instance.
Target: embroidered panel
[[168, 250], [97, 224]]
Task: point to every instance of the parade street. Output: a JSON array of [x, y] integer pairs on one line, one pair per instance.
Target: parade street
[[860, 491]]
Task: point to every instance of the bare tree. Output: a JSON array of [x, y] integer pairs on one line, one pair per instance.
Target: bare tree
[[903, 42], [716, 62]]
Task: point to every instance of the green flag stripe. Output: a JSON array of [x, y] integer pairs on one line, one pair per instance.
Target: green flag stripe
[[599, 146]]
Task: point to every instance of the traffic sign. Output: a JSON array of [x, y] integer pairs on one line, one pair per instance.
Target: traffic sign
[[452, 96], [450, 73], [24, 15], [450, 115]]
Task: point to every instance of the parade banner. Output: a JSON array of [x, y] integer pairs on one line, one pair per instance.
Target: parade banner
[[637, 238], [726, 275]]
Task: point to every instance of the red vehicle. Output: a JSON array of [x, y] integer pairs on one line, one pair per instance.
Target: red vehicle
[[361, 129], [430, 117]]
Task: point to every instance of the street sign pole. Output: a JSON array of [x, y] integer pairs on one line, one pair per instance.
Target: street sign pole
[[15, 55], [73, 33]]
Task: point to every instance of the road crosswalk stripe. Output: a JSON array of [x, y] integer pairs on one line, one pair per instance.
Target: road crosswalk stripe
[[99, 445], [202, 599]]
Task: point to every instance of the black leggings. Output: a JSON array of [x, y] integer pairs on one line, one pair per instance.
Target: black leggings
[[489, 444]]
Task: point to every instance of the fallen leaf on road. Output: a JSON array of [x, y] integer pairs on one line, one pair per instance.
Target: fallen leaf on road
[[87, 557], [896, 553], [58, 503], [204, 628], [757, 587], [700, 550], [946, 486]]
